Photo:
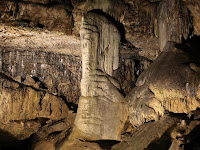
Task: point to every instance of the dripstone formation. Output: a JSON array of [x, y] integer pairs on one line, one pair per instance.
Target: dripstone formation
[[101, 100], [99, 75]]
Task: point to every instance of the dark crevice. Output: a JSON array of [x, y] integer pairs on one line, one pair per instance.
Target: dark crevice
[[40, 25], [106, 144], [9, 142], [54, 133], [163, 143], [40, 120], [36, 79], [191, 47], [41, 98], [50, 110], [194, 139], [26, 21], [72, 106]]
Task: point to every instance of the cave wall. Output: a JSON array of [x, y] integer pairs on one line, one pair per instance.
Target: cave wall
[[59, 74], [145, 27]]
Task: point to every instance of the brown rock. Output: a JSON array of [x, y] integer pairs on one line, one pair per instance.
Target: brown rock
[[53, 18], [195, 9], [29, 81], [168, 84], [22, 106], [146, 134], [45, 145], [100, 100], [77, 144], [60, 74], [173, 22], [110, 7], [38, 1]]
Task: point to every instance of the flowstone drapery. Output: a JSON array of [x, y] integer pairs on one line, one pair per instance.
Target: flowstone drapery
[[101, 112]]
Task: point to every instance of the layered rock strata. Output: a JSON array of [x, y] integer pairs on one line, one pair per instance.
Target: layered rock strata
[[24, 109], [56, 73]]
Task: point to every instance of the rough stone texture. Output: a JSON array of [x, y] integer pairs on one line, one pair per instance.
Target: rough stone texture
[[146, 134], [173, 22], [140, 19], [53, 60], [110, 7], [131, 65], [53, 133], [77, 144], [101, 114], [179, 132], [49, 63], [23, 107], [53, 18], [168, 133], [38, 1], [48, 1], [19, 43], [194, 7], [140, 23], [58, 73], [56, 17], [45, 145], [171, 83]]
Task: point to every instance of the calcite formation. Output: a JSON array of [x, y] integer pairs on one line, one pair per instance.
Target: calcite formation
[[101, 113], [139, 61], [171, 84]]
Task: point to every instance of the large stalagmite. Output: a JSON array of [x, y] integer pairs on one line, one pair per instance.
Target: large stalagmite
[[101, 113]]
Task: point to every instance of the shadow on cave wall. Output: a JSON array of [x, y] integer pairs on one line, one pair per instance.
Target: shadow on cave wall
[[9, 142], [192, 47], [194, 139]]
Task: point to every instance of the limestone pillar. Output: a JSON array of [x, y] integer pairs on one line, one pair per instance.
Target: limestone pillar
[[101, 112]]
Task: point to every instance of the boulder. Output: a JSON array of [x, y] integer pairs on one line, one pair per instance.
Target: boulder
[[170, 84]]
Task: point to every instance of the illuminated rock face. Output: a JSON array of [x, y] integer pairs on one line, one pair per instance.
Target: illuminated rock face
[[23, 107], [101, 114], [170, 84]]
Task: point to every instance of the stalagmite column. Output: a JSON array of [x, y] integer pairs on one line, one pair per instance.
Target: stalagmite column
[[101, 112]]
